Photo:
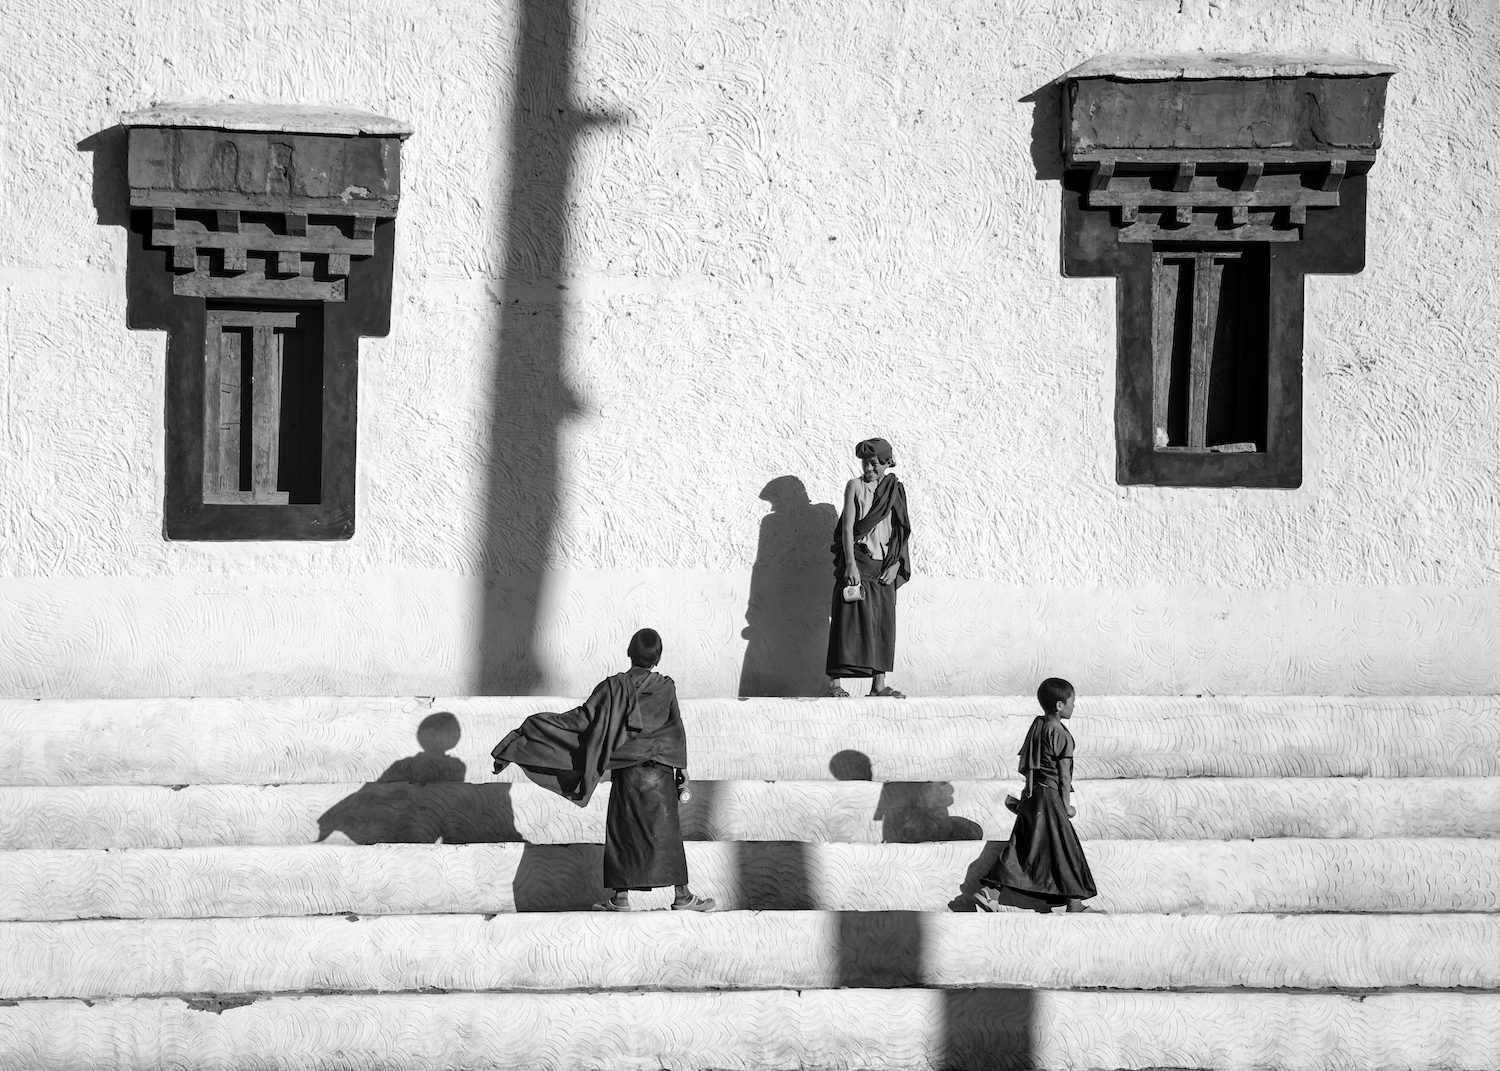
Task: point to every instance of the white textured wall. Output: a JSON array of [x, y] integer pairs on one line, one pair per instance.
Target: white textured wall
[[790, 225]]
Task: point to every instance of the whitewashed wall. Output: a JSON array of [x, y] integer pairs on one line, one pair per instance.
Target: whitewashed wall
[[797, 224]]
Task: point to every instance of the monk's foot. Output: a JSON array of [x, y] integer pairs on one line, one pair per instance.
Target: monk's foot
[[610, 905], [695, 903], [886, 693], [1078, 907], [836, 691], [987, 900]]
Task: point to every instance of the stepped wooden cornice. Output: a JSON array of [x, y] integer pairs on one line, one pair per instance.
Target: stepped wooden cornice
[[263, 201], [1222, 148]]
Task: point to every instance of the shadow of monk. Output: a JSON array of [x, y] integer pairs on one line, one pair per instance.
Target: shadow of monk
[[422, 799], [791, 584]]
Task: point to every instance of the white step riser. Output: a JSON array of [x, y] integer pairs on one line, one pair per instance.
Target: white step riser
[[1289, 876], [838, 1030], [816, 811], [171, 742], [746, 950]]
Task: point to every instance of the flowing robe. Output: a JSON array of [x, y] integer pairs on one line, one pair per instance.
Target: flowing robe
[[629, 728]]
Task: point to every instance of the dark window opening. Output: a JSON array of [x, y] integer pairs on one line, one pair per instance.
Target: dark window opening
[[1210, 348], [263, 404]]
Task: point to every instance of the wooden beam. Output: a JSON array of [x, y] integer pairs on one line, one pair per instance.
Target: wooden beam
[[1208, 277], [338, 264], [1183, 181], [1184, 214], [1297, 215], [1136, 190], [1337, 169], [257, 236], [258, 287], [163, 218], [234, 260], [184, 257], [227, 220], [265, 410], [288, 262], [1251, 178], [364, 228], [1166, 277], [1239, 215], [1102, 174], [1205, 231], [296, 224]]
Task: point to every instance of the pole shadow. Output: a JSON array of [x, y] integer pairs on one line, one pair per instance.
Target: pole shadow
[[786, 618], [530, 393]]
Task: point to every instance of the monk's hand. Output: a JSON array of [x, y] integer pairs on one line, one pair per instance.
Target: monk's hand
[[1072, 811], [889, 576], [851, 578]]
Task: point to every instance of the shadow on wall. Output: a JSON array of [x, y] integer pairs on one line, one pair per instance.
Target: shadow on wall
[[909, 812], [790, 586], [530, 396], [422, 799]]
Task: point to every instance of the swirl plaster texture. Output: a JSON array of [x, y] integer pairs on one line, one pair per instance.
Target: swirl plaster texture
[[1134, 877], [746, 950], [198, 816], [815, 1030], [765, 210], [226, 741]]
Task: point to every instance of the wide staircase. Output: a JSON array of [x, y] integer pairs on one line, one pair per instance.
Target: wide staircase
[[325, 884]]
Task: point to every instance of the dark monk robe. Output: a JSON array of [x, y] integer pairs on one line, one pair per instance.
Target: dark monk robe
[[862, 634], [630, 728], [1043, 857]]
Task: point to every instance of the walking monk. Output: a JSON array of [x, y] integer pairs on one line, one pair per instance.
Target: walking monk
[[630, 728], [870, 562], [1043, 858]]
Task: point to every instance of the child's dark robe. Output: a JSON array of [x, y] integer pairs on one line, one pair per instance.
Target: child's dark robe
[[631, 729], [1043, 857], [862, 634]]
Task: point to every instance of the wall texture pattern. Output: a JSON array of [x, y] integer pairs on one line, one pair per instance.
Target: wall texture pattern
[[787, 226]]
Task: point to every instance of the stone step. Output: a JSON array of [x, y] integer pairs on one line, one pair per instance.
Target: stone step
[[266, 741], [745, 950], [1221, 877], [148, 816], [775, 1030]]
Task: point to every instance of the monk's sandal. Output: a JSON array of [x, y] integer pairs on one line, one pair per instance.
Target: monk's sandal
[[697, 903], [887, 693]]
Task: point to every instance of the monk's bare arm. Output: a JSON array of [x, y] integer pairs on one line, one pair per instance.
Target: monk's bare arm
[[851, 569]]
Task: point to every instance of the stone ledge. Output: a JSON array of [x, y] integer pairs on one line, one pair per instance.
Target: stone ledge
[[243, 741], [746, 950], [270, 118], [127, 816], [1278, 876], [827, 1030]]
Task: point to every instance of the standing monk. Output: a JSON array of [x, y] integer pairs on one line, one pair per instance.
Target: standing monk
[[630, 727], [869, 563]]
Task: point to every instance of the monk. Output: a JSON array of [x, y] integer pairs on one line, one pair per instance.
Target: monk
[[870, 562], [630, 728], [1043, 860]]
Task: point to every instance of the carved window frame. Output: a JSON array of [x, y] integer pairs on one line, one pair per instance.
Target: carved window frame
[[1160, 158], [241, 212]]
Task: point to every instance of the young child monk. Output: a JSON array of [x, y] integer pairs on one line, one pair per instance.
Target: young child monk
[[1043, 859], [869, 554], [630, 727]]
